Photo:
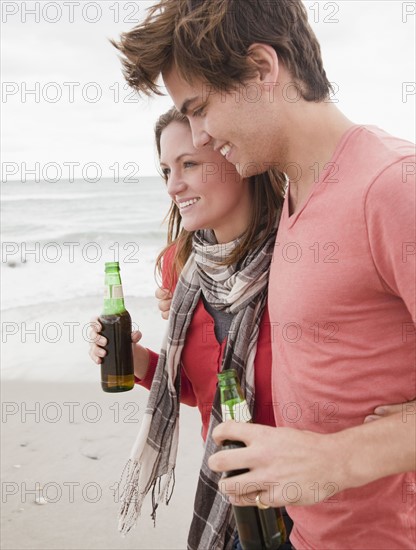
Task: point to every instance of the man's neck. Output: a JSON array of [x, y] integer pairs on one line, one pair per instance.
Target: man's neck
[[313, 132]]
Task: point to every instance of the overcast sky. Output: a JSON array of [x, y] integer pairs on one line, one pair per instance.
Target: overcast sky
[[80, 112]]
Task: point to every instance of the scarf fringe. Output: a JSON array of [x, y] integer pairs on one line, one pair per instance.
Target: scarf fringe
[[132, 499]]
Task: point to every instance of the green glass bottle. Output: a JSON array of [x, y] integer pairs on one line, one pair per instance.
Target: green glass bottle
[[257, 529], [117, 368]]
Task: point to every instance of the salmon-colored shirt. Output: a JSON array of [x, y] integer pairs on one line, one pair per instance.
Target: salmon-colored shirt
[[202, 359], [342, 297]]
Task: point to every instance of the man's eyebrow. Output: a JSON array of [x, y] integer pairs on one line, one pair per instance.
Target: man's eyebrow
[[186, 104]]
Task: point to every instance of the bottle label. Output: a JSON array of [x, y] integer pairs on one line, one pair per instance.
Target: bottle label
[[114, 291], [236, 411], [117, 291]]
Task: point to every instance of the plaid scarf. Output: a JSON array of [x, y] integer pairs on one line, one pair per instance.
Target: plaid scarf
[[242, 291]]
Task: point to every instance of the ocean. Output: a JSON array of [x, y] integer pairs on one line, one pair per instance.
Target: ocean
[[56, 238]]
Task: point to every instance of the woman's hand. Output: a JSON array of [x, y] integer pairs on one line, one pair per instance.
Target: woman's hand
[[386, 410], [97, 351], [165, 300], [97, 342]]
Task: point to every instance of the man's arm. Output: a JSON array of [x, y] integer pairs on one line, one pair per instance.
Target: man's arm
[[301, 467]]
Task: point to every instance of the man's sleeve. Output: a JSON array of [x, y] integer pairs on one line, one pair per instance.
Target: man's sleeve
[[390, 211]]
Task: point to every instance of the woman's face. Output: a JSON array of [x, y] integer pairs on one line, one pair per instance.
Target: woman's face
[[208, 191]]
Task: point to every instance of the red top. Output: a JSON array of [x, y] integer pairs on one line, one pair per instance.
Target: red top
[[202, 358], [342, 298]]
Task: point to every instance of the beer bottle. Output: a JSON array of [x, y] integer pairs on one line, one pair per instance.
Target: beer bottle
[[257, 529], [117, 368]]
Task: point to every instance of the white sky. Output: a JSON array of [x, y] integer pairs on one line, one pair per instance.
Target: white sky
[[368, 49]]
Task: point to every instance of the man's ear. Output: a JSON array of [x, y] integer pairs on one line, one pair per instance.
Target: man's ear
[[265, 60]]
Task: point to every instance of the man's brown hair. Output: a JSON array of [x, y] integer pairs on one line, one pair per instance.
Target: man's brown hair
[[210, 40]]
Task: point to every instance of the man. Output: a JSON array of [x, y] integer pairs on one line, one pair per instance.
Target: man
[[249, 76]]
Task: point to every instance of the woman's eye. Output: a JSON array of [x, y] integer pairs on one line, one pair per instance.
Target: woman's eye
[[166, 172], [189, 164]]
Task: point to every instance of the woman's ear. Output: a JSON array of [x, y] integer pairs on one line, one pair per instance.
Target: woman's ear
[[265, 60]]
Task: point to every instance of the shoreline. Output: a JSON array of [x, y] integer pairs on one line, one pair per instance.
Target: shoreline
[[51, 343]]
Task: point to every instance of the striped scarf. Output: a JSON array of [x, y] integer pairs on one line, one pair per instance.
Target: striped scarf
[[242, 291]]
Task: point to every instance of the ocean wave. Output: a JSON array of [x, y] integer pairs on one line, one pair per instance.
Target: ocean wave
[[141, 238], [75, 274], [25, 198]]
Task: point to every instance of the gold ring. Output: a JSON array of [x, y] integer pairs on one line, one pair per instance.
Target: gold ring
[[259, 503]]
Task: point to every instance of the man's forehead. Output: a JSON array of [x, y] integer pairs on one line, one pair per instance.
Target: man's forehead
[[184, 93]]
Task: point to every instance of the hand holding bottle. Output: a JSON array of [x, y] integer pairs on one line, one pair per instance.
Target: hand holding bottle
[[98, 342], [259, 527]]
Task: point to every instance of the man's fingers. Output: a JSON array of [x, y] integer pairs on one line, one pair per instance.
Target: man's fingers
[[241, 491], [164, 305], [233, 459], [165, 300], [163, 294], [371, 417], [228, 460], [234, 431], [386, 410]]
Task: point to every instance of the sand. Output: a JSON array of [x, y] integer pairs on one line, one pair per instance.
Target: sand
[[61, 432], [74, 444]]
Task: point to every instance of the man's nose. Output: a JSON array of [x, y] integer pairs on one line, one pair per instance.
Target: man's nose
[[200, 137]]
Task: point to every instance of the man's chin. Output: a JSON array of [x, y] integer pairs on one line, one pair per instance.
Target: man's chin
[[248, 169]]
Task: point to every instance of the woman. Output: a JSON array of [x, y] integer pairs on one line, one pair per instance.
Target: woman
[[221, 236]]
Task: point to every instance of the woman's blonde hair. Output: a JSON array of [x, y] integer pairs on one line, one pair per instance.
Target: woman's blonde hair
[[267, 192]]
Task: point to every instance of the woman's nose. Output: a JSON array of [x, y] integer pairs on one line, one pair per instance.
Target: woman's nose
[[175, 184]]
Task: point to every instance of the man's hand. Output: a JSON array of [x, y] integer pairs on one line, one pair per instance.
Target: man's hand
[[288, 466], [386, 410], [165, 300], [298, 467]]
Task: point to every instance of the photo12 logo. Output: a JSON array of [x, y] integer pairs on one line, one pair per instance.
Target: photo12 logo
[[69, 171], [71, 12], [66, 92]]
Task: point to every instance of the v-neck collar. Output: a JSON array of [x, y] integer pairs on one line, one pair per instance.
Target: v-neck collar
[[327, 171]]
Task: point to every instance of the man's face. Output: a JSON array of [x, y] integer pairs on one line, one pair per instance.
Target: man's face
[[236, 123]]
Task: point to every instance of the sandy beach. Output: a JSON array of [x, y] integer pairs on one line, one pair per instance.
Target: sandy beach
[[64, 442], [71, 441]]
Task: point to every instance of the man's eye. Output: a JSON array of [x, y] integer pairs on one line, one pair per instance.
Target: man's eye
[[198, 112]]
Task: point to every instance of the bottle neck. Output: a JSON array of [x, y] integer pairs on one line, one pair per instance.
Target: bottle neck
[[113, 295], [233, 403]]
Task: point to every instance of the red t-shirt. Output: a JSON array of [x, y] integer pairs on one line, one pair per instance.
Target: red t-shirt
[[202, 358], [342, 304]]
